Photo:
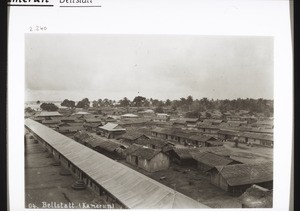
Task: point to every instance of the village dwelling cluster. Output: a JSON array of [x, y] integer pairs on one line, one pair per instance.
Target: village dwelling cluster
[[153, 142]]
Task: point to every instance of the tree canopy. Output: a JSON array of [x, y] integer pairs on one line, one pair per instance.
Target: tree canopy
[[124, 102], [139, 101], [159, 109], [48, 107], [29, 110], [192, 107], [84, 103], [68, 103]]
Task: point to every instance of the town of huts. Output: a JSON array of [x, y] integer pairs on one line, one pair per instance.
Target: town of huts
[[222, 155]]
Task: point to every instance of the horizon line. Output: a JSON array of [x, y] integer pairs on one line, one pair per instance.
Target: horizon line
[[152, 98]]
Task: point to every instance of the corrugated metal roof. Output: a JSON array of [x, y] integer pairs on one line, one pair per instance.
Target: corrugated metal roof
[[242, 174], [159, 143], [94, 142], [131, 149], [212, 121], [111, 127], [81, 113], [257, 136], [93, 120], [185, 153], [133, 189], [131, 135], [211, 159], [215, 143], [133, 121], [204, 125], [70, 128], [52, 121], [265, 122], [202, 138], [145, 153], [48, 113], [108, 145], [162, 114], [227, 132], [179, 121], [93, 124], [257, 197], [130, 115], [81, 135], [236, 122]]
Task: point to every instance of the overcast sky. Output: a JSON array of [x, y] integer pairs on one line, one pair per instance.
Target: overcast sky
[[72, 67]]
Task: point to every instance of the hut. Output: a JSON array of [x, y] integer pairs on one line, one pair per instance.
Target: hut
[[161, 132], [148, 159], [161, 117], [93, 126], [212, 121], [110, 149], [129, 116], [265, 123], [49, 115], [180, 123], [38, 119], [173, 134], [92, 142], [207, 160], [52, 123], [154, 143], [236, 123], [93, 120], [147, 113], [133, 122], [70, 130], [183, 156], [257, 197], [110, 130], [68, 119], [191, 122], [258, 139], [213, 143], [201, 140], [233, 118], [81, 113], [226, 134], [64, 124], [132, 136], [80, 135], [237, 178], [206, 129]]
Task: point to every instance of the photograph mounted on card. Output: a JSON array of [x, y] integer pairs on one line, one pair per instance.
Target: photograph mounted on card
[[149, 105]]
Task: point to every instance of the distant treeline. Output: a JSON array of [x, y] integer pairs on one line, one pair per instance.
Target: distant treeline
[[193, 107]]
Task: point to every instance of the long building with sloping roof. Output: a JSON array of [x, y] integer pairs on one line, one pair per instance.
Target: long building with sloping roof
[[237, 178], [207, 160], [123, 185], [49, 114]]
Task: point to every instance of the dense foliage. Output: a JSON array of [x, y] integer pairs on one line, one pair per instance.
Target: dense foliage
[[85, 103], [48, 107], [68, 103], [192, 107], [29, 110]]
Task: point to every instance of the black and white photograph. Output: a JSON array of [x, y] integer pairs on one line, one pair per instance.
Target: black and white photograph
[[148, 121]]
